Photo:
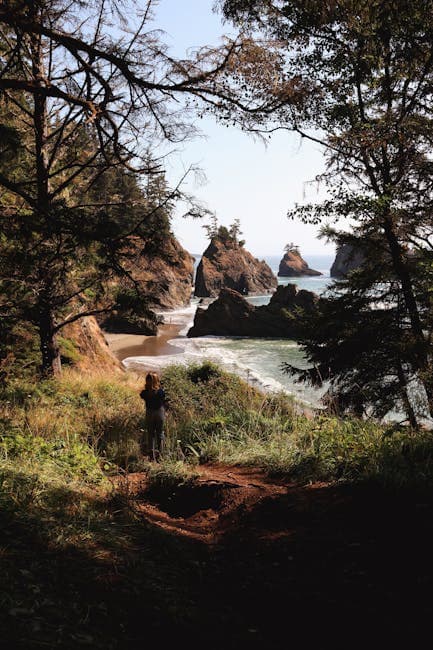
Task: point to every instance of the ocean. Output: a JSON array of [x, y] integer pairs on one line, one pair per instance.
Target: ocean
[[258, 361]]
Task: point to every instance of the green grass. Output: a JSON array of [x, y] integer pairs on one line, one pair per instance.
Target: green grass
[[81, 430], [87, 428], [217, 417]]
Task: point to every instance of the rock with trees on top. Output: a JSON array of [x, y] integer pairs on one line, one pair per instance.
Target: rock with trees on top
[[227, 264], [293, 265]]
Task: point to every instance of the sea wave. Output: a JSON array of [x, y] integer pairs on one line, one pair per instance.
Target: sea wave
[[257, 361]]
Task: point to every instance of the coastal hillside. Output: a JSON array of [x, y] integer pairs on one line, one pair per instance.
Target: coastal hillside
[[165, 275], [162, 275], [263, 481], [84, 346]]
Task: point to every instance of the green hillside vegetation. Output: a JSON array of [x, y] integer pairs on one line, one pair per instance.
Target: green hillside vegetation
[[81, 431], [68, 448]]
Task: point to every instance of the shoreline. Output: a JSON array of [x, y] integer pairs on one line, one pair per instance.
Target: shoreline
[[139, 345], [135, 345]]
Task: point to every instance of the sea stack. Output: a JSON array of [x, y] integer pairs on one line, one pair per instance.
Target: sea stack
[[226, 264], [347, 259], [294, 266]]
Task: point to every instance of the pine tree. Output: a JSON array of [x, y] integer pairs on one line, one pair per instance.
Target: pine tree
[[366, 70]]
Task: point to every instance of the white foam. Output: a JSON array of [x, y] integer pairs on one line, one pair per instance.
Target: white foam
[[213, 348], [183, 316]]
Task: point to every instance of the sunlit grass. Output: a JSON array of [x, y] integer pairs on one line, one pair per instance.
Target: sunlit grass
[[61, 441]]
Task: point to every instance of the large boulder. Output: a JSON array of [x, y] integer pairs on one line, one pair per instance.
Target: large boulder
[[226, 316], [226, 264], [232, 315], [348, 258], [83, 345], [294, 266]]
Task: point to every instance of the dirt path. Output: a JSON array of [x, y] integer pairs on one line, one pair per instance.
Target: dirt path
[[235, 561], [208, 508]]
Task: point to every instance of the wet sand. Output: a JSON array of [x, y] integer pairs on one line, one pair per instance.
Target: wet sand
[[136, 345]]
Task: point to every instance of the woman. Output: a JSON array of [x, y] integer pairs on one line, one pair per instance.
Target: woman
[[155, 400]]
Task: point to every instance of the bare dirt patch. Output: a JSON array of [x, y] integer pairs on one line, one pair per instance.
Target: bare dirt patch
[[276, 561], [207, 507]]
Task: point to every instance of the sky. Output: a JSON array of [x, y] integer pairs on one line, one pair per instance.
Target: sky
[[245, 179]]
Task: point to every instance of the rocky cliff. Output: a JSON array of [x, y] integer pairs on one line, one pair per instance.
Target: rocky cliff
[[293, 266], [82, 344], [165, 279], [165, 276], [232, 315], [226, 264], [347, 259]]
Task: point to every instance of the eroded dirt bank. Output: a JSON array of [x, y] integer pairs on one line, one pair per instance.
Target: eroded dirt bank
[[236, 560], [330, 565]]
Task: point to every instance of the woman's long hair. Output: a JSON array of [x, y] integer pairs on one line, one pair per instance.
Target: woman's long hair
[[152, 382]]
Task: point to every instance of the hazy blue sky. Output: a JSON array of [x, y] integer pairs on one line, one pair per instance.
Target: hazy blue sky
[[245, 180]]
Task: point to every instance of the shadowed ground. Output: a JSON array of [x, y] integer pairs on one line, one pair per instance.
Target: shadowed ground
[[234, 561]]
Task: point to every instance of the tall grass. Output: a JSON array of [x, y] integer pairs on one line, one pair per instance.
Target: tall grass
[[101, 411], [218, 417], [79, 430]]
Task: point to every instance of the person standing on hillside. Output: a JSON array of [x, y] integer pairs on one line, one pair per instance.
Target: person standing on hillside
[[155, 400]]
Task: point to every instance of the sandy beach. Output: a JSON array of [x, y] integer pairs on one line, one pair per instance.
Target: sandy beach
[[136, 345]]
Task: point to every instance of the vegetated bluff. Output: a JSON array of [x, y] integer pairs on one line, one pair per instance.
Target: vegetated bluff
[[226, 264], [232, 315], [84, 346], [294, 266], [165, 278]]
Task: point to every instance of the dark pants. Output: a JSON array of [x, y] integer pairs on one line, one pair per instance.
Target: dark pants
[[155, 429]]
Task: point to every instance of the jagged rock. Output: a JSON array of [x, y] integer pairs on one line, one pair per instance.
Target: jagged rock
[[290, 297], [166, 276], [226, 316], [294, 266], [226, 264], [232, 315], [347, 259]]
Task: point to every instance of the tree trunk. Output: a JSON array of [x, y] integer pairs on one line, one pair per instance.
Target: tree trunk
[[51, 363], [49, 349], [422, 362]]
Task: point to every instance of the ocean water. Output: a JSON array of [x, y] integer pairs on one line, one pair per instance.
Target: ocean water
[[318, 284], [258, 361]]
